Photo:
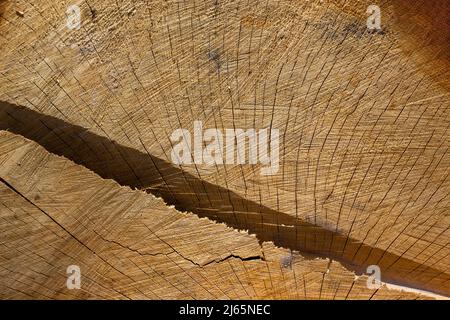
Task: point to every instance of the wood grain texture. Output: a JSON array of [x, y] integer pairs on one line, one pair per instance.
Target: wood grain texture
[[363, 116], [130, 245]]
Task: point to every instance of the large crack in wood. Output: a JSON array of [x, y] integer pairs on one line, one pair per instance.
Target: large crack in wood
[[363, 117], [62, 221], [132, 168], [174, 250]]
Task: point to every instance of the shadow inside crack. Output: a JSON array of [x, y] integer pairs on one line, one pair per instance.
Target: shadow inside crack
[[130, 167]]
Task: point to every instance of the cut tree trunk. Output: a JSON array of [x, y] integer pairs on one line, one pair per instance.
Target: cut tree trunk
[[130, 245], [363, 116]]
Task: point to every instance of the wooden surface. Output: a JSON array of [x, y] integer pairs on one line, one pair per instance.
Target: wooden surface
[[130, 245], [363, 116]]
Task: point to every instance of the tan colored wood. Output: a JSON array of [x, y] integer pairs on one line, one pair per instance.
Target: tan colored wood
[[130, 245], [363, 116]]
